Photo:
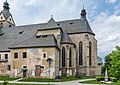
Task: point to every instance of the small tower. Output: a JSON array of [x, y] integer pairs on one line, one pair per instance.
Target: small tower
[[83, 13], [6, 19]]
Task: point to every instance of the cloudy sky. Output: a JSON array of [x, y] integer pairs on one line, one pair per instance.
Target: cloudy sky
[[103, 15]]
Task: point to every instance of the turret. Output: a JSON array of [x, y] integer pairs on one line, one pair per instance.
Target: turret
[[6, 19]]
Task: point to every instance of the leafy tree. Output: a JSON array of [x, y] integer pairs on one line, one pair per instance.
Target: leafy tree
[[107, 61], [114, 63], [107, 64]]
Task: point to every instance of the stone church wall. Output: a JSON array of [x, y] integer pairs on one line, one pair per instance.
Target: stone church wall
[[34, 57]]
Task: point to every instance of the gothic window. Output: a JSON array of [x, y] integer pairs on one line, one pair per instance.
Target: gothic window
[[80, 53], [63, 57], [90, 50], [70, 57]]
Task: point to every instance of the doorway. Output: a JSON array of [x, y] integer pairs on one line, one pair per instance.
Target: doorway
[[25, 73]]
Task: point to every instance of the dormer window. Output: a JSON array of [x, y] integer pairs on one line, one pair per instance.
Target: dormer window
[[38, 36], [20, 32], [44, 35], [71, 22], [58, 24]]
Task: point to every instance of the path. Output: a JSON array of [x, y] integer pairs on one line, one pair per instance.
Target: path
[[75, 82]]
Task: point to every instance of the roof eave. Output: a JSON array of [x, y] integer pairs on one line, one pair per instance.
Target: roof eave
[[34, 47], [80, 33], [50, 29]]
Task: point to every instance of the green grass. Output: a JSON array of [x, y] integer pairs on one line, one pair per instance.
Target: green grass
[[23, 84], [115, 83], [7, 78], [70, 78], [91, 82], [97, 82]]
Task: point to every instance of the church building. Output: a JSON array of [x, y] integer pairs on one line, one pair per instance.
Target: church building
[[48, 49]]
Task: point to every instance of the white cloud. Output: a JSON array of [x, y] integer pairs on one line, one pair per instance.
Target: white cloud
[[34, 2], [111, 1], [104, 26], [107, 32]]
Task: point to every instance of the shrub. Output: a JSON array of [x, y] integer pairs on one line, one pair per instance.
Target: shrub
[[113, 79], [5, 82], [77, 76], [102, 78], [58, 77], [98, 78]]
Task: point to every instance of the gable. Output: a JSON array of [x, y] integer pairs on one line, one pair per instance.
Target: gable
[[10, 20]]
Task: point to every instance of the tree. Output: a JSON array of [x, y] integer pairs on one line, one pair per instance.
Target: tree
[[114, 67], [107, 64], [107, 61]]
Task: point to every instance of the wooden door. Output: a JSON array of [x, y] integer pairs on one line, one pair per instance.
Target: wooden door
[[37, 70], [24, 73]]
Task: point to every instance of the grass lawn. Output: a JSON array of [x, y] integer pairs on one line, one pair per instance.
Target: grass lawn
[[23, 84], [70, 78], [7, 78], [91, 82], [97, 82], [115, 83]]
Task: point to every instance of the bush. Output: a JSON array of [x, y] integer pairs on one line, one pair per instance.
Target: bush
[[5, 82], [58, 77], [113, 79], [102, 78], [98, 78], [77, 76]]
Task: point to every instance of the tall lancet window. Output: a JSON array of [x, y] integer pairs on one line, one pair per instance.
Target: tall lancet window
[[90, 50], [81, 53], [70, 57], [63, 57]]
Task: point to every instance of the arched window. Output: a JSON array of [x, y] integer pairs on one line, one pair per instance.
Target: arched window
[[63, 57], [90, 50], [80, 53], [70, 57]]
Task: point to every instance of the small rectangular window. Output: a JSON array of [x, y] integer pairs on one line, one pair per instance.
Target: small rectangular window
[[15, 55], [0, 56], [6, 56], [44, 55], [9, 67], [24, 54]]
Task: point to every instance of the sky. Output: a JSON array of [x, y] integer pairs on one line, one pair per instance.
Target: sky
[[103, 16]]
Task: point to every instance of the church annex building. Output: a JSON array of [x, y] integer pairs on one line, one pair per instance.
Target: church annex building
[[48, 49]]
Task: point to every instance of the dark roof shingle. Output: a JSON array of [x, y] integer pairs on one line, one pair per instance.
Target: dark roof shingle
[[41, 41]]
